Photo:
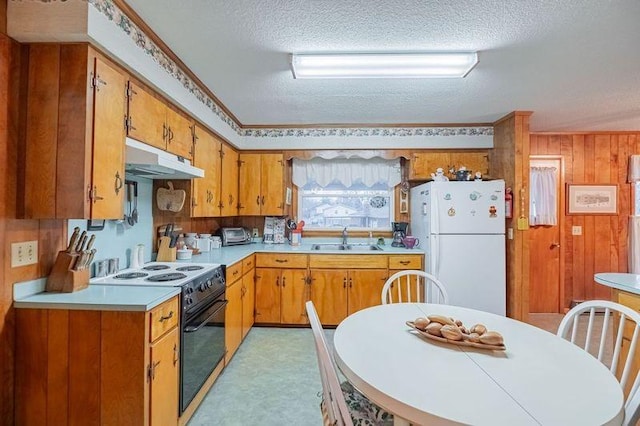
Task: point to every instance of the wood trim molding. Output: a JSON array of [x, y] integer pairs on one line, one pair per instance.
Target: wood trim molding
[[360, 125], [594, 132], [126, 9], [512, 115]]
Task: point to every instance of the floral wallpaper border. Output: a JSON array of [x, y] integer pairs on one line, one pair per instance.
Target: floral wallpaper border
[[122, 21]]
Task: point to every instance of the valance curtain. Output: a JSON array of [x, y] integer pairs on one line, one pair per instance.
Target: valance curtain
[[543, 202], [346, 171], [634, 168], [634, 244]]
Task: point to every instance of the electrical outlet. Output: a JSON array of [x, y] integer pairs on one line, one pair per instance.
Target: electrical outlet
[[255, 233], [24, 253], [576, 230], [510, 233]]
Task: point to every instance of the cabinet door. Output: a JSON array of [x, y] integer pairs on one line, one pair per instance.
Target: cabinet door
[[248, 301], [416, 294], [164, 387], [146, 117], [474, 161], [294, 295], [108, 143], [229, 182], [205, 155], [365, 288], [425, 163], [267, 295], [329, 294], [249, 185], [179, 134], [233, 319], [272, 184]]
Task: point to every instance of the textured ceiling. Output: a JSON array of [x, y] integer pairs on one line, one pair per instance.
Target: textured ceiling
[[575, 64]]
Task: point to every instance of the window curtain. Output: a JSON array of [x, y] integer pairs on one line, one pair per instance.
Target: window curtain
[[543, 202], [346, 171], [634, 221]]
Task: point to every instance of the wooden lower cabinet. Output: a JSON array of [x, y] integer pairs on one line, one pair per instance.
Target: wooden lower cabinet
[[280, 296], [248, 299], [233, 319], [97, 367], [632, 301], [337, 293]]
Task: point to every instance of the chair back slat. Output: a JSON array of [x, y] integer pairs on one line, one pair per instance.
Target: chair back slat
[[413, 286], [626, 314], [335, 408]]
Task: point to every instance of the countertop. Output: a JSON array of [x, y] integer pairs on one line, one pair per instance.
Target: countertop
[[97, 298], [625, 282], [232, 254], [144, 298]]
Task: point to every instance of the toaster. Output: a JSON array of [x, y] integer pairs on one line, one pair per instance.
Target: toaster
[[235, 236]]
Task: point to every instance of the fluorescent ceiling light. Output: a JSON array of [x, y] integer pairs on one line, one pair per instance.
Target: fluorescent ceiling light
[[383, 65]]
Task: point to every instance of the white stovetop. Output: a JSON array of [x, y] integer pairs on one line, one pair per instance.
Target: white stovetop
[[171, 268]]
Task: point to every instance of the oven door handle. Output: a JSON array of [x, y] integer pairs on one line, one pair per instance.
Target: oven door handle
[[191, 328]]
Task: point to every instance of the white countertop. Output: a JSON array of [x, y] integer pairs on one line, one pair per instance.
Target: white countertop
[[620, 281], [232, 254], [101, 298]]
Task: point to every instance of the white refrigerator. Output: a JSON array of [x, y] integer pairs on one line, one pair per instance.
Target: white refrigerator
[[461, 227]]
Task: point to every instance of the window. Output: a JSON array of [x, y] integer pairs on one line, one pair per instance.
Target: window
[[335, 206]]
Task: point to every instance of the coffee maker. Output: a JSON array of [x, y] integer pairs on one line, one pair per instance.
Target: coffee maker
[[399, 232]]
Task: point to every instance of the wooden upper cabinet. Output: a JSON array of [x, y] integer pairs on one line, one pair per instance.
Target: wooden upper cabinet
[[249, 189], [206, 190], [229, 181], [108, 142], [146, 121], [154, 122], [424, 163], [261, 190], [74, 139], [179, 134]]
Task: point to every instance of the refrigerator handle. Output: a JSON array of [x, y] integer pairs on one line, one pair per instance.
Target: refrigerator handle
[[436, 255], [435, 223]]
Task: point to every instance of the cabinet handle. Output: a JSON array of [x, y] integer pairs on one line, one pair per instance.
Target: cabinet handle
[[281, 206], [152, 370], [193, 202], [404, 262], [166, 318], [258, 200], [235, 272], [170, 135], [175, 353], [277, 281], [284, 281], [262, 200], [230, 199], [344, 282], [282, 260], [350, 283], [164, 132], [93, 195], [118, 183]]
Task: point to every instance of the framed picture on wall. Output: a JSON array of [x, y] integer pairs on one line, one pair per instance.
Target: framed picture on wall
[[588, 199]]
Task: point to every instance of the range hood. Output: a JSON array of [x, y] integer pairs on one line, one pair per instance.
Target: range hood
[[152, 163]]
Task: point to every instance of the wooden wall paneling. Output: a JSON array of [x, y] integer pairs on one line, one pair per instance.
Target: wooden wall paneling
[[42, 129], [58, 367], [84, 370], [3, 16], [31, 371], [566, 149]]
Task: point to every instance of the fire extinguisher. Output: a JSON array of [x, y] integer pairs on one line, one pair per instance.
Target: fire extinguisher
[[508, 204]]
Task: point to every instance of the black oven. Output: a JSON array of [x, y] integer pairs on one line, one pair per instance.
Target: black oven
[[202, 338]]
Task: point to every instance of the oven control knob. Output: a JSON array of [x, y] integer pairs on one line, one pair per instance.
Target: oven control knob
[[189, 301], [202, 287]]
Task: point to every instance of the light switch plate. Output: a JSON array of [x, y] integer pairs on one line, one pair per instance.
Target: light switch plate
[[510, 233], [24, 253], [576, 230]]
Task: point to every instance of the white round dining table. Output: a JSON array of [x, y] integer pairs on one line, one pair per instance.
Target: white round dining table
[[540, 379]]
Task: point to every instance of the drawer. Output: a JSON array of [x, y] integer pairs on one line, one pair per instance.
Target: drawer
[[234, 272], [248, 263], [163, 318], [281, 260], [412, 261], [348, 261]]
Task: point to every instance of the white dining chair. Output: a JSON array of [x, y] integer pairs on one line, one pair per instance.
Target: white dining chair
[[570, 328], [342, 404], [414, 286]]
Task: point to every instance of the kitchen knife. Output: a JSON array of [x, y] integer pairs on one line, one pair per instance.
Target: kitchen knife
[[73, 240], [81, 244], [77, 266], [91, 241], [81, 241], [90, 258], [174, 240]]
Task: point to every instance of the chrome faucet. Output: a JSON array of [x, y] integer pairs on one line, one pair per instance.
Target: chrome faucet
[[344, 236]]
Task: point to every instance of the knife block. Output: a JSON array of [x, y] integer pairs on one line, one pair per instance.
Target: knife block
[[165, 253], [62, 278]]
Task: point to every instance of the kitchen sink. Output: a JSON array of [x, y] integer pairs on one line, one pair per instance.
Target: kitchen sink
[[345, 247]]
